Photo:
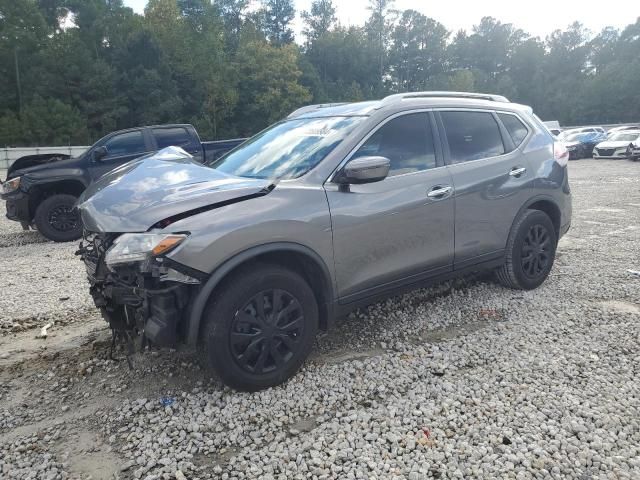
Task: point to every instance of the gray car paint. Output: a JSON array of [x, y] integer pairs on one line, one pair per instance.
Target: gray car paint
[[369, 236], [138, 194]]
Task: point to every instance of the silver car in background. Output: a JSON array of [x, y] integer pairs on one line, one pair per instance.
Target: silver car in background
[[334, 207]]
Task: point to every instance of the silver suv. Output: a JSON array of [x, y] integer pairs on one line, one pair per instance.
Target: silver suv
[[332, 208]]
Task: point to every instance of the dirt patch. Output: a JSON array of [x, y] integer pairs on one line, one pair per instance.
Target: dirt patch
[[88, 456], [621, 306]]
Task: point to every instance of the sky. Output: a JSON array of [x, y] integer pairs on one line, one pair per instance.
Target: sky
[[539, 18]]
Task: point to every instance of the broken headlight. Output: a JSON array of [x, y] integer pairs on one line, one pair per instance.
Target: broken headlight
[[137, 247]]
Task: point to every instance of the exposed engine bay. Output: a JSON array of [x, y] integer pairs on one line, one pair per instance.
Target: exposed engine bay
[[143, 302]]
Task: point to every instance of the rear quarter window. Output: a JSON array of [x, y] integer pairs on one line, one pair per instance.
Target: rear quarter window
[[517, 130]]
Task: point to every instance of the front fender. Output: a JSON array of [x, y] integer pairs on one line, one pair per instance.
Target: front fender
[[196, 310], [51, 177]]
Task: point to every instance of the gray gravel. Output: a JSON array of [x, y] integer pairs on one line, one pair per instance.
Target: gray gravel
[[463, 380], [41, 281]]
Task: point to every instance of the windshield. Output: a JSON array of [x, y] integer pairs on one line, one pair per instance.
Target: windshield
[[624, 137], [287, 149]]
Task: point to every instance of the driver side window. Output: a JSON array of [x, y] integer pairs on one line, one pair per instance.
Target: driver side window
[[125, 144], [406, 141]]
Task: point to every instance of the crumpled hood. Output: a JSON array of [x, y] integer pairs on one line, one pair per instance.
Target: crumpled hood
[[139, 194], [613, 144]]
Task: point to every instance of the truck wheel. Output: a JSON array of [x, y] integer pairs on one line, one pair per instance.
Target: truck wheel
[[531, 250], [260, 327], [57, 219]]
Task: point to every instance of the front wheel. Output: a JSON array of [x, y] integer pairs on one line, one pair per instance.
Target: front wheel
[[260, 327], [57, 219], [531, 251]]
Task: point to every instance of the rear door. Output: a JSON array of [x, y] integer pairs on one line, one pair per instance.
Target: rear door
[[177, 136], [393, 232], [121, 148], [491, 177]]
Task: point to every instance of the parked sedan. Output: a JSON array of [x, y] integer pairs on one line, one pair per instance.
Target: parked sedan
[[580, 145], [633, 150], [565, 134], [616, 130], [617, 146]]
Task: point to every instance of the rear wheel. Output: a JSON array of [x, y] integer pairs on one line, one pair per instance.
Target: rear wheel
[[531, 250], [260, 327], [57, 219]]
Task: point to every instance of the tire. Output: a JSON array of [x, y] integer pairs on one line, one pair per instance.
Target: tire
[[57, 219], [243, 345], [517, 272]]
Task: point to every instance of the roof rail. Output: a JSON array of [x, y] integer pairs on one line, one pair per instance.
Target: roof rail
[[435, 94], [311, 108]]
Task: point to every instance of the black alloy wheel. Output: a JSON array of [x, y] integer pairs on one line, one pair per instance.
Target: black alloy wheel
[[57, 218], [266, 332], [530, 251], [259, 327], [536, 251], [63, 218]]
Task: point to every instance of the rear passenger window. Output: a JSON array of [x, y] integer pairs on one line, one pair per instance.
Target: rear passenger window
[[406, 141], [171, 137], [515, 127], [472, 135]]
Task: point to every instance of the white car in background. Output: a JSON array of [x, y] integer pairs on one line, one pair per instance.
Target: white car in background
[[618, 145], [633, 151], [613, 131]]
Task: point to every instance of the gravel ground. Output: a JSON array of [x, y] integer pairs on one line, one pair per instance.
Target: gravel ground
[[463, 380]]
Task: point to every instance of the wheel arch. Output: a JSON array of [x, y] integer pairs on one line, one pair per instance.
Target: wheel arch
[[297, 257], [41, 191], [544, 204]]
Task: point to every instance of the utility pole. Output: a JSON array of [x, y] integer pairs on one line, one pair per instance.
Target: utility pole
[[15, 55]]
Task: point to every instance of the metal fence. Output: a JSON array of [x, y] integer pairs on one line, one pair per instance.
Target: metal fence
[[8, 155]]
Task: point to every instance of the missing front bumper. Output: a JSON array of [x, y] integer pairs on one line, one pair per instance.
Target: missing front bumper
[[147, 300]]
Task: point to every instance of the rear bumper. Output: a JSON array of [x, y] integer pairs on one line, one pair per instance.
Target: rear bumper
[[17, 205]]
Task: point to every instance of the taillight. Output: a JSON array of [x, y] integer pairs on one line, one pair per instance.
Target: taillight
[[560, 154]]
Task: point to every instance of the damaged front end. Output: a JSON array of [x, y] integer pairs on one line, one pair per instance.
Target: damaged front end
[[142, 295]]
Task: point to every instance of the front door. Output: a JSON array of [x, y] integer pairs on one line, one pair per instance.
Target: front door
[[400, 229], [121, 148]]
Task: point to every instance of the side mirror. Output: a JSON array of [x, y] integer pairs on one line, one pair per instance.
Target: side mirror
[[364, 170], [99, 153]]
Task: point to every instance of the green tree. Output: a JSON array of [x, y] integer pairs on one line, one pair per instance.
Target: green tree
[[269, 89], [319, 19], [462, 81], [233, 15], [418, 52], [277, 18], [51, 122], [378, 28]]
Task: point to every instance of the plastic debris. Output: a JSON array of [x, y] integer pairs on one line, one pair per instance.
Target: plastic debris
[[180, 475], [43, 331], [634, 272], [167, 402]]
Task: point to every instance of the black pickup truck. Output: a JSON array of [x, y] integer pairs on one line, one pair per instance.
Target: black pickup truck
[[41, 190]]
